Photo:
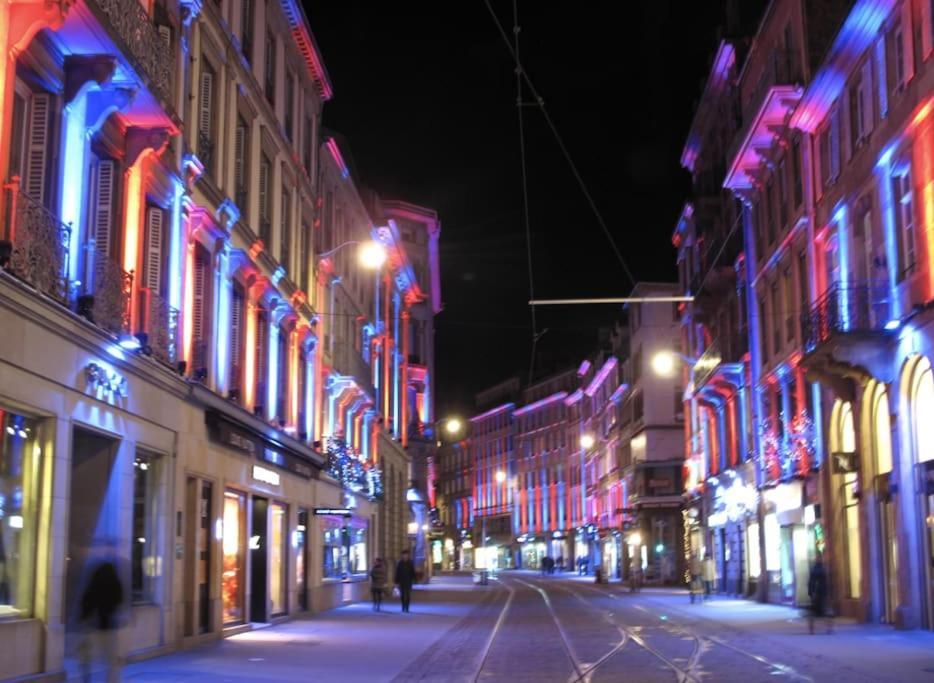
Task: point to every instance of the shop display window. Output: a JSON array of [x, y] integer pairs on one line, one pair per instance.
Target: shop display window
[[278, 557], [301, 559], [233, 577], [358, 563], [20, 464], [752, 551], [145, 560], [773, 541], [345, 548]]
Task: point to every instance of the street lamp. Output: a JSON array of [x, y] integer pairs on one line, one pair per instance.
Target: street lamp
[[663, 363], [500, 476], [453, 426], [372, 255], [587, 441]]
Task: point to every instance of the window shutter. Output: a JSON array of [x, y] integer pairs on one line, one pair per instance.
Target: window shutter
[[205, 102], [239, 143], [263, 189], [197, 310], [261, 333], [908, 51], [236, 337], [103, 206], [37, 146], [165, 34], [154, 219], [881, 78], [835, 143], [868, 99]]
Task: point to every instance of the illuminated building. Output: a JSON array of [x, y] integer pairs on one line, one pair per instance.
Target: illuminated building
[[715, 339], [176, 392], [453, 488]]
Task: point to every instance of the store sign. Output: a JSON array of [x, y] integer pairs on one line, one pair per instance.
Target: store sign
[[332, 512], [844, 463], [266, 476], [105, 382], [250, 444]]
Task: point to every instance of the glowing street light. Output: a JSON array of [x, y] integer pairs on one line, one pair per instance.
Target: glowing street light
[[500, 476], [587, 441], [372, 255], [453, 426], [663, 363]]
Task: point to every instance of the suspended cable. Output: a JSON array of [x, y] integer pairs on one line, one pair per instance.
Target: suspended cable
[[522, 75]]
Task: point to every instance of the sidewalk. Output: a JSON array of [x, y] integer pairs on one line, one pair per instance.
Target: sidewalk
[[876, 650], [346, 644]]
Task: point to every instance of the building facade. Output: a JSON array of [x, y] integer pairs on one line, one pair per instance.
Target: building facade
[[829, 164], [199, 381]]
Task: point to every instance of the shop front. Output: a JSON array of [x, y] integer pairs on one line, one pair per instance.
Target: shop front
[[792, 533], [731, 511]]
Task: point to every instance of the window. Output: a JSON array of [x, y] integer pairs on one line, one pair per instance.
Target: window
[[861, 105], [304, 255], [246, 28], [637, 365], [308, 145], [206, 117], [21, 441], [830, 148], [155, 247], [770, 211], [904, 223], [102, 209], [334, 556], [796, 171], [234, 544], [241, 166], [285, 233], [265, 228], [289, 104], [284, 375], [803, 281], [201, 313], [776, 317], [898, 40], [301, 559], [679, 405], [763, 328], [789, 304], [29, 146], [238, 313], [782, 195], [270, 73], [637, 407], [145, 563], [278, 558]]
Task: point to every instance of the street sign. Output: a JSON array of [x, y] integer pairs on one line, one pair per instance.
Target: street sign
[[333, 512]]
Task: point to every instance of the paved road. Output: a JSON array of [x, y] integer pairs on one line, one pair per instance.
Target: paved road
[[527, 628]]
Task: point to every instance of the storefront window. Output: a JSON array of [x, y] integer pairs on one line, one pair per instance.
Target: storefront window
[[278, 555], [301, 561], [334, 549], [773, 535], [851, 512], [20, 460], [752, 551], [358, 564], [146, 565], [233, 579]]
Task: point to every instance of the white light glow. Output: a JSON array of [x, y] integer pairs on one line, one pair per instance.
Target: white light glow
[[372, 255], [16, 521], [453, 426], [500, 476], [663, 363], [587, 441]]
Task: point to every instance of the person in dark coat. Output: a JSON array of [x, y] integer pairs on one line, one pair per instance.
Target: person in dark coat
[[100, 606], [404, 578], [819, 591], [378, 583]]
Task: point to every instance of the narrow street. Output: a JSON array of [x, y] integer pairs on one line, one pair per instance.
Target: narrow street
[[524, 627]]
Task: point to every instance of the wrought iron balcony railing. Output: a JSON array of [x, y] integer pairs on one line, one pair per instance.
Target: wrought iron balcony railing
[[846, 309], [160, 323], [107, 298], [35, 245], [141, 39]]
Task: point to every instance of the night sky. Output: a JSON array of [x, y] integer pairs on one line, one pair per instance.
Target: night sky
[[425, 93]]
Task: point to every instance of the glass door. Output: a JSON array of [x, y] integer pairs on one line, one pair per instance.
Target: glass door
[[278, 558]]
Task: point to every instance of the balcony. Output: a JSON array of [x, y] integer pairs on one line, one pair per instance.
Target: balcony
[[726, 350], [349, 362], [160, 322], [855, 310], [35, 248], [149, 47], [106, 303]]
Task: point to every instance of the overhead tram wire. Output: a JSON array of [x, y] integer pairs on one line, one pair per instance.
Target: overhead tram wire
[[522, 75], [525, 183]]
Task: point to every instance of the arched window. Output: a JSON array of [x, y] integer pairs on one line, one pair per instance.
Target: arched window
[[923, 412]]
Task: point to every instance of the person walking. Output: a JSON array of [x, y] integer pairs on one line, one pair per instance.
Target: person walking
[[818, 590], [100, 605], [404, 578], [695, 569], [378, 583], [708, 574]]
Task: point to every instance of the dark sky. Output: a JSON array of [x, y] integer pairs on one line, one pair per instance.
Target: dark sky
[[425, 93]]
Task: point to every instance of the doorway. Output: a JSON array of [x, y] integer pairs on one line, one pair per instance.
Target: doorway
[[93, 520], [258, 606], [199, 495]]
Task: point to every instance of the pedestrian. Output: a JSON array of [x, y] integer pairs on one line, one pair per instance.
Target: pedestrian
[[551, 564], [560, 563], [580, 565], [100, 605], [708, 574], [695, 570], [635, 574], [818, 590], [404, 578], [378, 583]]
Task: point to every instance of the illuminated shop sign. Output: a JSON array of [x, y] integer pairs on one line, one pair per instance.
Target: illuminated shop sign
[[233, 436], [332, 512], [104, 382], [266, 476]]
